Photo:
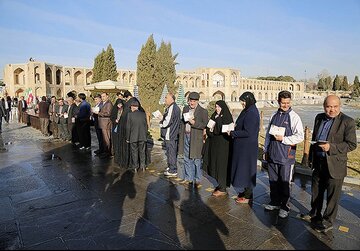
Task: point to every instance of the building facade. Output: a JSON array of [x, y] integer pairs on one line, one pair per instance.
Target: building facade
[[47, 79]]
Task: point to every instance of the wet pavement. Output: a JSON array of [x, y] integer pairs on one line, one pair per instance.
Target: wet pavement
[[54, 196]]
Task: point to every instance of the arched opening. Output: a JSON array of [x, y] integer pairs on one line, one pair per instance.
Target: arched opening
[[233, 96], [37, 91], [187, 95], [124, 78], [48, 74], [19, 77], [89, 77], [67, 78], [260, 96], [297, 87], [291, 87], [78, 78], [58, 77], [132, 79], [37, 75], [203, 83], [218, 79], [19, 92], [266, 96], [234, 81], [218, 96]]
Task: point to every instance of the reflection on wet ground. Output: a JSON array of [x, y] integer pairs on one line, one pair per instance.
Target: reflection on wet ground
[[54, 196]]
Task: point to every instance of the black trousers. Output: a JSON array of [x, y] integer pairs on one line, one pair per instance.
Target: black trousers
[[137, 151], [171, 154], [83, 130], [321, 182]]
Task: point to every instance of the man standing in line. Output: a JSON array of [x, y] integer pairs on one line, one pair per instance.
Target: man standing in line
[[170, 125], [22, 107], [72, 112], [335, 136], [62, 119], [44, 116], [195, 119], [83, 123], [105, 124], [95, 116], [285, 131], [2, 114], [53, 118]]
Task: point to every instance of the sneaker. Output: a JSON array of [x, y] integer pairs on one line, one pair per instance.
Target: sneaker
[[271, 207], [218, 193], [167, 173], [283, 213]]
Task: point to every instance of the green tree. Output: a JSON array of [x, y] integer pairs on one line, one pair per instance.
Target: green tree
[[109, 70], [98, 67], [328, 83], [165, 67], [356, 87], [336, 84], [145, 75], [180, 99], [321, 85], [345, 84]]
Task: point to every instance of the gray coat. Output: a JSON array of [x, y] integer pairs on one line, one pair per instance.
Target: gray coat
[[197, 132]]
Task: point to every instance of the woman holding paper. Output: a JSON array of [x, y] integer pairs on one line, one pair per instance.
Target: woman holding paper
[[115, 117], [219, 144], [245, 149]]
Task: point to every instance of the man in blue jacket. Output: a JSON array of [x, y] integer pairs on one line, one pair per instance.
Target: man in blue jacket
[[170, 125]]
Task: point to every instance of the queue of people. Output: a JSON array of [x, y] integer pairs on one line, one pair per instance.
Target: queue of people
[[226, 151], [229, 154]]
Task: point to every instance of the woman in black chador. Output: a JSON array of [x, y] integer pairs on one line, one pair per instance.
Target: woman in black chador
[[116, 117], [219, 147]]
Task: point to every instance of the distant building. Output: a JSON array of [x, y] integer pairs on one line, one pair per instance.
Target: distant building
[[212, 83]]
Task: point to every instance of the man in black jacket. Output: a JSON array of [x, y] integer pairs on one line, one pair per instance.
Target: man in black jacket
[[136, 136]]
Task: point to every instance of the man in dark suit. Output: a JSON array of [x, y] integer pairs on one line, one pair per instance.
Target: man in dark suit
[[335, 136], [22, 107], [43, 108], [73, 110], [62, 115], [136, 135], [2, 113], [105, 124], [95, 117]]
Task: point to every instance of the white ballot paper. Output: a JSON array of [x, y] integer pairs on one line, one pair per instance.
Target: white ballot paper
[[95, 109], [188, 116], [157, 114], [66, 115], [277, 130], [319, 142], [229, 127], [211, 124]]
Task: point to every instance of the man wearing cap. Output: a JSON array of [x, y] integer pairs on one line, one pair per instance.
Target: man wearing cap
[[194, 121], [136, 136]]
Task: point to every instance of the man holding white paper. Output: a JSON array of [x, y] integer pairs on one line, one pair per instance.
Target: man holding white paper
[[169, 127], [285, 131], [195, 119]]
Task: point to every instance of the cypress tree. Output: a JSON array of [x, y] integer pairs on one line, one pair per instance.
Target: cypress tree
[[145, 75], [165, 67], [109, 70], [328, 84], [98, 67], [345, 84], [356, 87], [336, 84], [321, 85]]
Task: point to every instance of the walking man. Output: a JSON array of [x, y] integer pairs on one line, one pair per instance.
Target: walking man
[[170, 125]]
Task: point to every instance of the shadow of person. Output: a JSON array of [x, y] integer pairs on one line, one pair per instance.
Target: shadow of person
[[157, 227], [201, 224]]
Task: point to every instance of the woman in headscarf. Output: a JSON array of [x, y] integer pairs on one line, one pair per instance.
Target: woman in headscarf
[[116, 117], [245, 149], [219, 144]]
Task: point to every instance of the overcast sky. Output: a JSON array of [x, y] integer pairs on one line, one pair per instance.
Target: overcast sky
[[258, 37]]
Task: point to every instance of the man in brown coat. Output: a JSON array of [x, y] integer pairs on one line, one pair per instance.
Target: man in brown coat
[[22, 107], [194, 121], [105, 124], [44, 116]]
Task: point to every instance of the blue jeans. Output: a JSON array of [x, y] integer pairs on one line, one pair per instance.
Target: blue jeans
[[192, 166]]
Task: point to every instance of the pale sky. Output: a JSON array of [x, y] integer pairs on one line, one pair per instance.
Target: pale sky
[[258, 37]]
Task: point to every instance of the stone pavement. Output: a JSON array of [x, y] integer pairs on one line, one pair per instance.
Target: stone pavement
[[54, 196]]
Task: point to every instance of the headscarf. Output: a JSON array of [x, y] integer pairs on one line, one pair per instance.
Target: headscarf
[[114, 110], [225, 113], [248, 98]]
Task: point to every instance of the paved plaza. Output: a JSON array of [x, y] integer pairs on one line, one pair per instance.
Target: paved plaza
[[54, 196]]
